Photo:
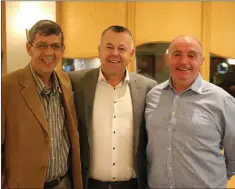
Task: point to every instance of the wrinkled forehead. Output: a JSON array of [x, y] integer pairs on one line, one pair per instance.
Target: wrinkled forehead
[[45, 37], [185, 44]]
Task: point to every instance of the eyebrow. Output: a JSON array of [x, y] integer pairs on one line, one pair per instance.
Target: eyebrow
[[108, 43], [121, 45], [191, 51]]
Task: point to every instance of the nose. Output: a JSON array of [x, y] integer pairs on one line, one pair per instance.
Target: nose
[[184, 58], [49, 50], [115, 52]]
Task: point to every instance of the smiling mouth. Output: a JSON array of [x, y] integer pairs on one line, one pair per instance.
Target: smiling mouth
[[183, 69], [47, 61], [114, 61]]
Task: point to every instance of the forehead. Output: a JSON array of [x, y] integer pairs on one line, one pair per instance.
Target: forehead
[[116, 38], [50, 38], [185, 44]]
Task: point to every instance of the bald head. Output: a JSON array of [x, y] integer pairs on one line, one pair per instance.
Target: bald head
[[186, 38]]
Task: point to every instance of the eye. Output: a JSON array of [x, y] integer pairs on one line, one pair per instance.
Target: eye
[[56, 46], [192, 54], [41, 45], [122, 49], [176, 54], [109, 47]]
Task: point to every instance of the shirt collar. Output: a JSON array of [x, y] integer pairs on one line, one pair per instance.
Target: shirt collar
[[102, 78], [196, 86], [41, 86]]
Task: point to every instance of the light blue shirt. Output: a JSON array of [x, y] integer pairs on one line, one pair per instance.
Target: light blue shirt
[[186, 133]]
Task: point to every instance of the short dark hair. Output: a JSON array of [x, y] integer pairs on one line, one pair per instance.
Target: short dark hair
[[45, 28], [118, 29]]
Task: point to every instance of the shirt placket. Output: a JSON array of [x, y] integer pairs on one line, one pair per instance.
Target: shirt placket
[[114, 136], [170, 167]]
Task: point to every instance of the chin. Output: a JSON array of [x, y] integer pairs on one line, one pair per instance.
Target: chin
[[48, 71]]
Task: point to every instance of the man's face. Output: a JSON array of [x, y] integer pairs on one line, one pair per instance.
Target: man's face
[[184, 60], [44, 60], [115, 52]]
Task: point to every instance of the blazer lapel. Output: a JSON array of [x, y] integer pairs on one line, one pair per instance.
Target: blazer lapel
[[66, 97], [31, 96], [136, 105], [90, 81]]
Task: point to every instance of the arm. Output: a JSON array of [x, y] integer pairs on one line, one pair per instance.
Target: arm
[[229, 135]]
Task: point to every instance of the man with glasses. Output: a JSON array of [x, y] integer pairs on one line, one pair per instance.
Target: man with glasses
[[189, 121], [40, 141]]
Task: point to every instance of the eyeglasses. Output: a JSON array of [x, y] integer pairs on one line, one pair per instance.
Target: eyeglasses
[[43, 46]]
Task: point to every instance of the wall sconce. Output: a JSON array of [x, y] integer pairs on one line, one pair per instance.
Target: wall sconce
[[231, 61]]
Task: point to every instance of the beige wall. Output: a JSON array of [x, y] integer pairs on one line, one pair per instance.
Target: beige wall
[[83, 22], [211, 22], [19, 16], [222, 26]]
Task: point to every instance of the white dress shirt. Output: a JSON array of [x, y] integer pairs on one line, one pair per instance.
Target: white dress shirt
[[112, 147]]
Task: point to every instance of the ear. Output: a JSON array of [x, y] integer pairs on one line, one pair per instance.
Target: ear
[[132, 52], [99, 51], [28, 48], [203, 58], [62, 50], [167, 58], [132, 55]]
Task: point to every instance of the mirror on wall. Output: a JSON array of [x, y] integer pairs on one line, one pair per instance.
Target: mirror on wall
[[150, 61], [78, 64], [222, 73]]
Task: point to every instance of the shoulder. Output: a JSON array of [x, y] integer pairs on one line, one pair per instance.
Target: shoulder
[[11, 78], [142, 79], [217, 94], [213, 90], [157, 90], [62, 75], [78, 75]]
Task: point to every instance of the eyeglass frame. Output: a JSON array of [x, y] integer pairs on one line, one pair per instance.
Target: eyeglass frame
[[46, 46]]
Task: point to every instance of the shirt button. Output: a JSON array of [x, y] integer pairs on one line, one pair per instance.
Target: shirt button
[[53, 158], [173, 113], [51, 138], [169, 149], [170, 168], [169, 129]]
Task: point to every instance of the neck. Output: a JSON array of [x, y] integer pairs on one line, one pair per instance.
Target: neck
[[46, 79], [181, 87], [114, 80]]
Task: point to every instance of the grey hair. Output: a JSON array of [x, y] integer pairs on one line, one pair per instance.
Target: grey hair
[[45, 28]]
